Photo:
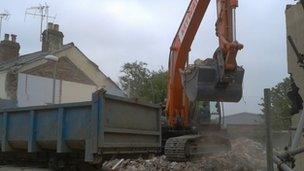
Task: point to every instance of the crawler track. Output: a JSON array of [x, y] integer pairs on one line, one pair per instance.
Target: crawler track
[[190, 147]]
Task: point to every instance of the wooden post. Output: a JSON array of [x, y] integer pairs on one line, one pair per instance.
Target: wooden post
[[269, 147]]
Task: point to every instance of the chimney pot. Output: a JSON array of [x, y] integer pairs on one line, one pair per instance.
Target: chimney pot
[[52, 38], [9, 49], [6, 37], [56, 27], [14, 37], [50, 26]]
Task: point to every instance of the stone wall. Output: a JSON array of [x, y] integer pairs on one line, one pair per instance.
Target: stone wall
[[295, 29], [11, 84]]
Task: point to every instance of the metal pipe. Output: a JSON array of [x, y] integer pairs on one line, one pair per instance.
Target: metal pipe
[[41, 24], [291, 153], [54, 59], [294, 129], [218, 106], [54, 82], [223, 113], [281, 165], [0, 26], [269, 147], [297, 137]]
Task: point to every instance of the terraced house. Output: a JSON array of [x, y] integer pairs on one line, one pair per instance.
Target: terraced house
[[58, 73]]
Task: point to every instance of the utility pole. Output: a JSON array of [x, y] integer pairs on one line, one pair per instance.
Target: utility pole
[[41, 11], [3, 16]]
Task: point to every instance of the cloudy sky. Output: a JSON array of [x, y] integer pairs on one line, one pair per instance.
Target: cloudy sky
[[113, 32]]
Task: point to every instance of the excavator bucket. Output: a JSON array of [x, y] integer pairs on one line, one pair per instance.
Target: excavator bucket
[[201, 83]]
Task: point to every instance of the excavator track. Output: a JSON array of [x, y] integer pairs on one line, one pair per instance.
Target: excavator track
[[190, 147], [176, 149]]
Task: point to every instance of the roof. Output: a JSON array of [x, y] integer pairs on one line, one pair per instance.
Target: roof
[[244, 119], [30, 58], [96, 66], [7, 103], [39, 55]]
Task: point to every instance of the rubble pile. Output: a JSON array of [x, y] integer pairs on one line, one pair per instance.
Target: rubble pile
[[246, 155]]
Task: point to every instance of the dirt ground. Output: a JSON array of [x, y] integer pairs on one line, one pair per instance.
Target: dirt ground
[[246, 155]]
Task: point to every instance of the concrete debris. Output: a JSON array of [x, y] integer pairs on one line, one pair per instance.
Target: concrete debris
[[208, 61], [197, 63], [246, 155], [117, 164]]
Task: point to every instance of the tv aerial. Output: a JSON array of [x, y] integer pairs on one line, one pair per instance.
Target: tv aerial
[[3, 17], [41, 11]]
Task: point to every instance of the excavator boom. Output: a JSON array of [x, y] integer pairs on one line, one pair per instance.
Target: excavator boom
[[177, 102], [215, 79]]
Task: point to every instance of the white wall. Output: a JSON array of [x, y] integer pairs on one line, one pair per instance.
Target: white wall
[[35, 90], [75, 92]]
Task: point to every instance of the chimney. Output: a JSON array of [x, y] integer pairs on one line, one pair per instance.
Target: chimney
[[14, 37], [56, 27], [9, 49], [6, 37], [52, 38]]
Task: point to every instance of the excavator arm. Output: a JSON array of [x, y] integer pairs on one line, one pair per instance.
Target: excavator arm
[[213, 79], [226, 32], [177, 102]]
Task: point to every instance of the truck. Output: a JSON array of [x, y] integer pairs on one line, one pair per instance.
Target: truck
[[84, 132]]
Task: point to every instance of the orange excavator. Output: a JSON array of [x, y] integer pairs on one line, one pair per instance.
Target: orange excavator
[[217, 79]]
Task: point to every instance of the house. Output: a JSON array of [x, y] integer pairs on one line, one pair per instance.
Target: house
[[34, 79], [244, 118]]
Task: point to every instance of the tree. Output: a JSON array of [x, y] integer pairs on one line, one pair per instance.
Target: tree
[[158, 81], [280, 105], [135, 79], [141, 83]]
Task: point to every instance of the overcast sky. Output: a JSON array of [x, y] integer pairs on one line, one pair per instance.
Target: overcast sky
[[113, 32]]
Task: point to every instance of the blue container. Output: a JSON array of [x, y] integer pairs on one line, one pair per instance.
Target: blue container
[[106, 125]]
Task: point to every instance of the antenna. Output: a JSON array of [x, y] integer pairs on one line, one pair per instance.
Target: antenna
[[3, 16], [41, 11]]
